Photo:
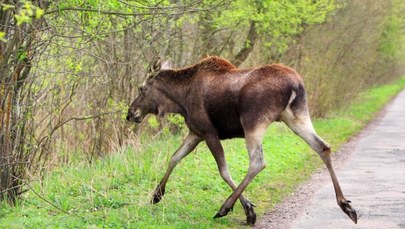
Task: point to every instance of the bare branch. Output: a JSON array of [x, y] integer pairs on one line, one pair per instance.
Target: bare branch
[[120, 13]]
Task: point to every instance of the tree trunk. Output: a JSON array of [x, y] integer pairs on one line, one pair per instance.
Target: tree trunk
[[15, 66], [248, 46]]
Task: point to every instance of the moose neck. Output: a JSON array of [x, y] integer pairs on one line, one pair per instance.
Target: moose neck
[[173, 86]]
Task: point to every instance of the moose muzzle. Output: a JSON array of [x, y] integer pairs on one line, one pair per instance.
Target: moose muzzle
[[134, 117]]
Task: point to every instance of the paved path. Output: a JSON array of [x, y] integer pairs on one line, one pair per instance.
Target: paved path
[[373, 178]]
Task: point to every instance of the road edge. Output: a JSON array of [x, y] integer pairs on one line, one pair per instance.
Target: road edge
[[293, 206]]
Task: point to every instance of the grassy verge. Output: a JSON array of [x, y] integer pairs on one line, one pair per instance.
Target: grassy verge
[[115, 192]]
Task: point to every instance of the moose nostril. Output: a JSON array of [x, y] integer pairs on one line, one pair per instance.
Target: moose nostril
[[128, 117]]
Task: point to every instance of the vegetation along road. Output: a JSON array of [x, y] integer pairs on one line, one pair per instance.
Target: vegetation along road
[[372, 177], [70, 68]]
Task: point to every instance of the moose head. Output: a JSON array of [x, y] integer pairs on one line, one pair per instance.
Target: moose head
[[145, 103]]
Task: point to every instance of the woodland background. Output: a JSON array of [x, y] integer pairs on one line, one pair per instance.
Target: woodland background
[[69, 69]]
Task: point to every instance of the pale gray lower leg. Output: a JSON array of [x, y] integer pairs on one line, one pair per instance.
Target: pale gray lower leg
[[188, 145], [217, 150], [302, 126], [254, 139]]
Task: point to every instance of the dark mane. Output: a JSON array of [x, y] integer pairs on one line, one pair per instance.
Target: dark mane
[[209, 64], [177, 74], [214, 64]]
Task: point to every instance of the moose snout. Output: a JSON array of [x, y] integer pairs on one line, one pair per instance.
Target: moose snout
[[134, 116], [128, 117]]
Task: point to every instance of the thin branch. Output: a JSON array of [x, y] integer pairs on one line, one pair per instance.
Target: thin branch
[[119, 13], [52, 204], [16, 163], [80, 119], [160, 7], [11, 188], [163, 10]]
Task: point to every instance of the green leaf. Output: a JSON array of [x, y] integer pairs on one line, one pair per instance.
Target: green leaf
[[2, 35], [22, 19], [7, 7], [39, 12], [22, 56]]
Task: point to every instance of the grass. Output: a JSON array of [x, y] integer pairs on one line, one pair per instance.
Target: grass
[[115, 192]]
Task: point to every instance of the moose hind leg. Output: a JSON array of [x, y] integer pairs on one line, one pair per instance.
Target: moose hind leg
[[301, 124], [217, 150], [254, 139], [248, 206]]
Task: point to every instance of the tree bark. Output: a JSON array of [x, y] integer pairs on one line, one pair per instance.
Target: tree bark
[[15, 65], [251, 39]]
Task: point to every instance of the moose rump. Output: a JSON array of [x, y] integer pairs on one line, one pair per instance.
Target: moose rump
[[250, 97], [219, 101]]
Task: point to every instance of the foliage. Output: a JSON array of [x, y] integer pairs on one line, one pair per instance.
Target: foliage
[[114, 192], [278, 21], [392, 42], [119, 38], [350, 52], [69, 69], [24, 11]]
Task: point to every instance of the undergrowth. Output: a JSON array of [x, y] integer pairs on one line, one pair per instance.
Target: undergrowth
[[115, 192]]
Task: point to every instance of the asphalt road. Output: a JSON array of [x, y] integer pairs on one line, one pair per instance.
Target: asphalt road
[[372, 177]]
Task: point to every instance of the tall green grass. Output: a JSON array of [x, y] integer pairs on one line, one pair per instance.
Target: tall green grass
[[115, 192]]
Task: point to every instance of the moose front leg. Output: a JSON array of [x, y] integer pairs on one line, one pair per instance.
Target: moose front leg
[[188, 145]]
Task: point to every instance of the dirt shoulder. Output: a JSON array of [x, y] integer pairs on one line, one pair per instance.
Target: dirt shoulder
[[294, 205]]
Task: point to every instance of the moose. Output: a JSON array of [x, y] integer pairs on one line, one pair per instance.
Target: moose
[[220, 101]]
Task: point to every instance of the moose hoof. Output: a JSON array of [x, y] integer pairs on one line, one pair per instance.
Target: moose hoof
[[347, 208], [157, 195], [223, 212], [251, 219], [156, 199], [250, 213]]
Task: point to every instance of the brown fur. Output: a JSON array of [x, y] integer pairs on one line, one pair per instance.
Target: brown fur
[[220, 101], [214, 95]]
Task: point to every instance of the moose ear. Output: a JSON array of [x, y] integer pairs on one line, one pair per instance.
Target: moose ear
[[154, 68], [156, 65]]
